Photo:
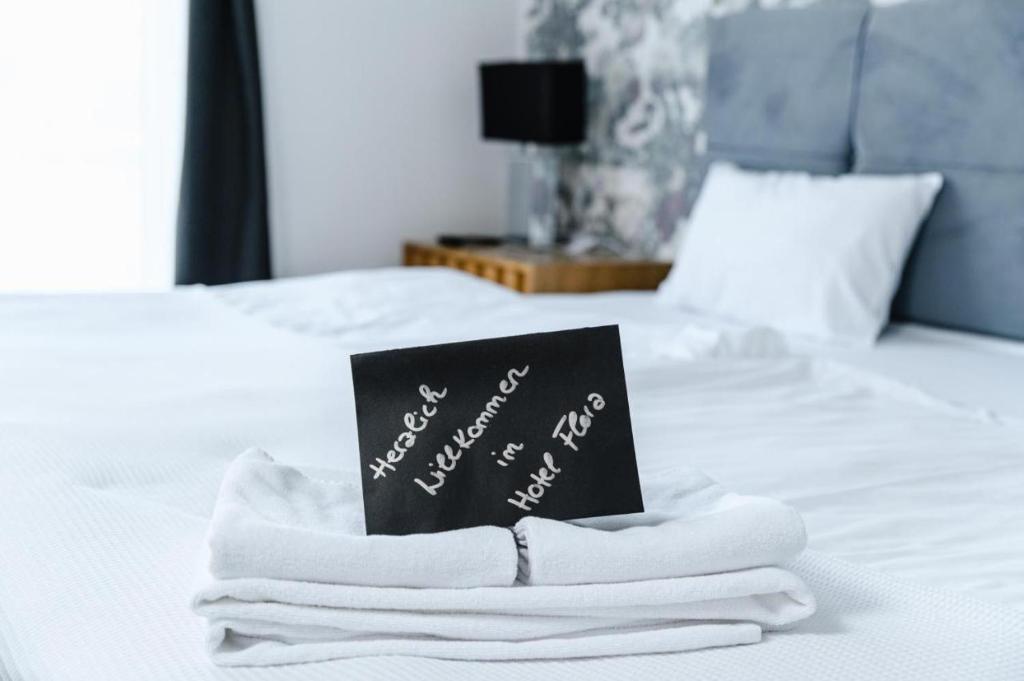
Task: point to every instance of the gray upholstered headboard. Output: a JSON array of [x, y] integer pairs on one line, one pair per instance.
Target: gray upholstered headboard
[[781, 87], [928, 85]]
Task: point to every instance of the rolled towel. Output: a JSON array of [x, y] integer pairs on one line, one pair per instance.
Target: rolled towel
[[267, 622], [691, 527], [271, 521]]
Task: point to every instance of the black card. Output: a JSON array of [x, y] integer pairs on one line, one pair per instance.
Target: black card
[[487, 432]]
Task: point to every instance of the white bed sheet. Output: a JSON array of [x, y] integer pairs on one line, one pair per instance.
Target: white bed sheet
[[118, 414], [969, 369]]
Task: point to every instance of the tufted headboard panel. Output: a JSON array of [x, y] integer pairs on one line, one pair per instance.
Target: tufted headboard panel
[[781, 86], [942, 88]]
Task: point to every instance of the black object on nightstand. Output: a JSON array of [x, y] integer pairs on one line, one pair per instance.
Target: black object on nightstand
[[460, 240], [541, 104]]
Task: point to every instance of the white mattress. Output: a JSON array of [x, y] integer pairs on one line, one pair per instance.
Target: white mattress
[[118, 414]]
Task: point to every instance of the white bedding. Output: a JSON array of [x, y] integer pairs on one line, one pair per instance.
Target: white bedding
[[118, 414], [963, 368]]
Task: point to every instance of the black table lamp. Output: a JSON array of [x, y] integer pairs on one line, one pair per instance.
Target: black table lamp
[[539, 104]]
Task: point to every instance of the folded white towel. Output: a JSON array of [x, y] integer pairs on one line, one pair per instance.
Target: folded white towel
[[266, 622], [691, 526], [271, 521], [292, 577]]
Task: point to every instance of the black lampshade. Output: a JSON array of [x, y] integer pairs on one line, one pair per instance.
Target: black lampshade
[[543, 102]]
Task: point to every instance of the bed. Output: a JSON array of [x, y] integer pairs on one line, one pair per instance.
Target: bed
[[120, 412]]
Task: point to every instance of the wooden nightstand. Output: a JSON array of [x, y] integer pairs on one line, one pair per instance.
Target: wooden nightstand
[[530, 271]]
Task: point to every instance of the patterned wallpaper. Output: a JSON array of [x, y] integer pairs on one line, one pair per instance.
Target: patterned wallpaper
[[637, 176]]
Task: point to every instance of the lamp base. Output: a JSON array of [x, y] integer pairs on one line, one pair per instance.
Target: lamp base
[[533, 197], [542, 229]]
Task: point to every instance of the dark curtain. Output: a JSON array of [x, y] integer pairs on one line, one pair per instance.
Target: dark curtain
[[223, 235]]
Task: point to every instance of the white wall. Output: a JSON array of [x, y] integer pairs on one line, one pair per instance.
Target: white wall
[[371, 123]]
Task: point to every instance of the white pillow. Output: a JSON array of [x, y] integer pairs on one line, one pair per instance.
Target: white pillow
[[819, 256]]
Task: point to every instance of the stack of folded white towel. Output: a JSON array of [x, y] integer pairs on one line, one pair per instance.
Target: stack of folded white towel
[[291, 576]]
